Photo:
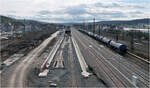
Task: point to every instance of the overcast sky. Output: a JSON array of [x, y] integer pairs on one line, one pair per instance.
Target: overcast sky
[[75, 10]]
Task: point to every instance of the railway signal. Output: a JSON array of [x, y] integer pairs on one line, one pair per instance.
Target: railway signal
[[94, 25]]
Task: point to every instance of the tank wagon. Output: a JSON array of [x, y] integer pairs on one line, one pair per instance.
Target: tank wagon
[[105, 40], [118, 46], [121, 48]]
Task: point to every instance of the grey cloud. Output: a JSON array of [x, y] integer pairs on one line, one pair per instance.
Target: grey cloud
[[108, 13], [115, 14], [44, 12], [118, 5], [139, 6], [56, 19], [102, 5], [135, 12], [11, 11], [76, 10]]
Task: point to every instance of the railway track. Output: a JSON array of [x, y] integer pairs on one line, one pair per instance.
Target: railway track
[[74, 78], [107, 70], [128, 51], [126, 67], [115, 78], [51, 55], [144, 80], [138, 57]]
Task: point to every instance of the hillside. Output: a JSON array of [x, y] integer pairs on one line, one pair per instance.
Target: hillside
[[8, 24], [137, 21]]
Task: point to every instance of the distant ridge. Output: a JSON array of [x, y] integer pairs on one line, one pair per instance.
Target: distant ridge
[[137, 21], [4, 19], [31, 25]]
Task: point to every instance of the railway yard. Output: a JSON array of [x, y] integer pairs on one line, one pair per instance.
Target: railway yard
[[74, 60]]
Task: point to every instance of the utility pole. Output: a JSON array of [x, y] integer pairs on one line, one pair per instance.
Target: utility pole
[[116, 28], [148, 44], [99, 29], [132, 40], [94, 25], [84, 25], [87, 26], [24, 26]]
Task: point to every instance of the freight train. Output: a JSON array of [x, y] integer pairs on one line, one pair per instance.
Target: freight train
[[121, 48]]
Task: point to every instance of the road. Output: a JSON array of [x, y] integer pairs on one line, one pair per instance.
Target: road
[[109, 63], [18, 73]]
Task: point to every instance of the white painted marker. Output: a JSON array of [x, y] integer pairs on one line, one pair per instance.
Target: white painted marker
[[134, 79]]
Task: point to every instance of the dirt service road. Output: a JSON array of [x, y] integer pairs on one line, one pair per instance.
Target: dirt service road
[[18, 77]]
